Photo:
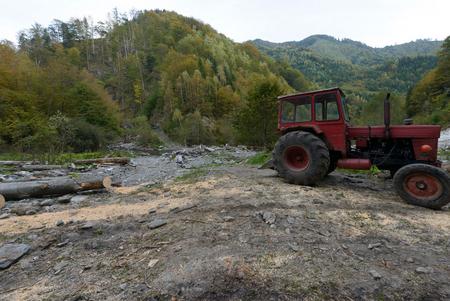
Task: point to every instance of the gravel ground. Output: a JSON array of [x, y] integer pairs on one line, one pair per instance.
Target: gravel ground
[[231, 232]]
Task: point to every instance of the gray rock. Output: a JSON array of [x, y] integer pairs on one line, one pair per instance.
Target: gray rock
[[410, 260], [71, 236], [157, 223], [183, 208], [33, 237], [269, 217], [162, 205], [87, 226], [48, 202], [424, 270], [30, 212], [123, 286], [11, 253], [65, 199], [294, 247], [291, 220], [287, 231], [78, 199], [375, 274], [174, 209], [4, 216], [59, 267], [62, 244], [373, 246], [179, 159], [21, 209], [228, 218], [59, 223]]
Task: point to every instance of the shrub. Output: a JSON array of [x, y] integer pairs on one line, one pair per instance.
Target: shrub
[[139, 130], [195, 130], [87, 137]]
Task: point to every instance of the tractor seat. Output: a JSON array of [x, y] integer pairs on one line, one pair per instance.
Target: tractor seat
[[408, 121]]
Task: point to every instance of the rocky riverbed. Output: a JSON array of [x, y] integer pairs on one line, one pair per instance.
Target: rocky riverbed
[[211, 227]]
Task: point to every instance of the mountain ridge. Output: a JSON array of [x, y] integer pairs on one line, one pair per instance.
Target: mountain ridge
[[303, 42], [354, 65]]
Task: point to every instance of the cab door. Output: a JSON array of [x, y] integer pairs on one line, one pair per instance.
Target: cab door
[[329, 117]]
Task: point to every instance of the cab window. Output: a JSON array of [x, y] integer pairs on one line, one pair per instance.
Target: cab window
[[326, 107], [288, 111], [297, 110]]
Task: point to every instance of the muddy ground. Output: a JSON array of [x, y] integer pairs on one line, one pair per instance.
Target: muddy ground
[[232, 232]]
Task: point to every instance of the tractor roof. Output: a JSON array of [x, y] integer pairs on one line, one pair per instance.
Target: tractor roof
[[311, 93]]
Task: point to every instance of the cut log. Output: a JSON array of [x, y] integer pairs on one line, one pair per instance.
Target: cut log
[[117, 160], [33, 179], [107, 182], [40, 167], [53, 187], [15, 163]]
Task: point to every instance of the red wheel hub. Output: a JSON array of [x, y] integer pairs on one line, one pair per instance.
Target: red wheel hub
[[423, 186], [296, 157]]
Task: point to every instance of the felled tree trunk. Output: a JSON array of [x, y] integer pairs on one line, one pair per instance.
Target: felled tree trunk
[[40, 167], [15, 163], [53, 187], [117, 160]]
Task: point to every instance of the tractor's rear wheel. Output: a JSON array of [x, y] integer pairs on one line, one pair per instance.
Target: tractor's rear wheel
[[301, 158], [333, 165], [423, 185]]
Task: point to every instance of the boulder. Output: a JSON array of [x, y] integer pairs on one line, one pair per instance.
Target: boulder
[[11, 253]]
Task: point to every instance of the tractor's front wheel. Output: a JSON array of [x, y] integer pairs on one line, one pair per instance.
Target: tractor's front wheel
[[423, 185], [301, 158]]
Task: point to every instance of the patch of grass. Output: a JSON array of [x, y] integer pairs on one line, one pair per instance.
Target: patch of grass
[[16, 157], [192, 175], [374, 170], [7, 170], [444, 154], [259, 158]]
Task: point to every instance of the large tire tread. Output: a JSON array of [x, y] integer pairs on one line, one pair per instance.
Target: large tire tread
[[439, 173], [318, 152]]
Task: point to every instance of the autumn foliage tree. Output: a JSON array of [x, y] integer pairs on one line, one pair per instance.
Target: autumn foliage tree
[[257, 122]]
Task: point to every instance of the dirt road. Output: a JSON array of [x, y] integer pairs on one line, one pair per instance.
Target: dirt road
[[233, 233]]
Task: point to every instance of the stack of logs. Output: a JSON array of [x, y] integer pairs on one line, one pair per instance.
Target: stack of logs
[[56, 186]]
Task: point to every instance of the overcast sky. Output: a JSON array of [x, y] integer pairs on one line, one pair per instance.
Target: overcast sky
[[374, 22]]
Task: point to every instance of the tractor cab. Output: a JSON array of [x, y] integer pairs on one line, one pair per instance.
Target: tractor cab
[[322, 112]]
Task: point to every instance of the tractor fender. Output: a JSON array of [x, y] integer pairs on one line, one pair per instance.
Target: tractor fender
[[313, 129]]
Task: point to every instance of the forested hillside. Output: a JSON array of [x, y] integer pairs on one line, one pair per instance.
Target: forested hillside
[[48, 103], [362, 71], [429, 99], [153, 67]]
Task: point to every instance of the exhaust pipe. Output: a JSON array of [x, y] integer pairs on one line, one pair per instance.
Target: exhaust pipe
[[354, 163], [387, 115]]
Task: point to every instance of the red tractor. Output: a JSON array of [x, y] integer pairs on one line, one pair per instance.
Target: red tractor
[[317, 138]]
